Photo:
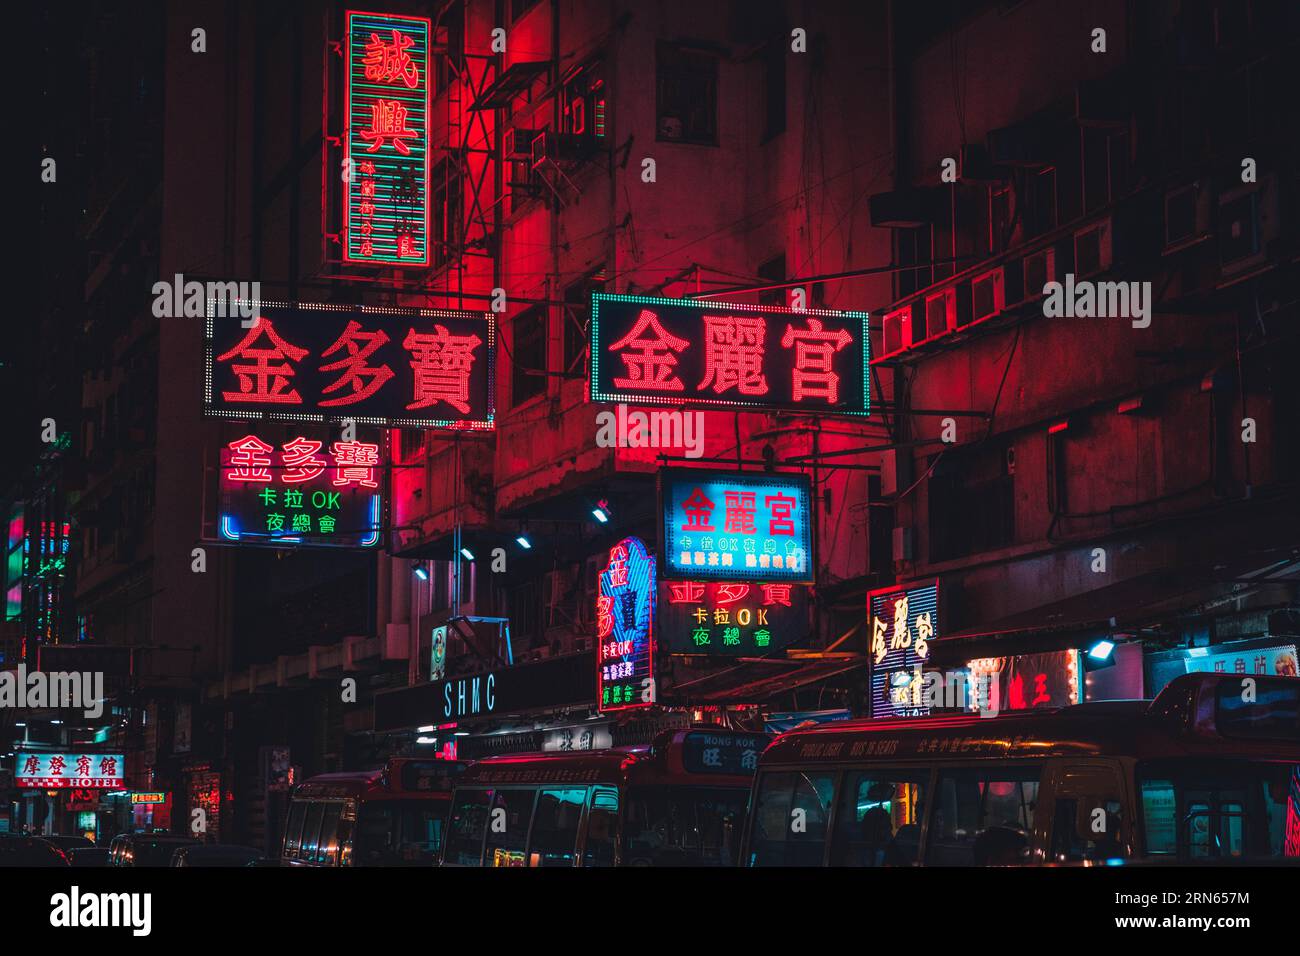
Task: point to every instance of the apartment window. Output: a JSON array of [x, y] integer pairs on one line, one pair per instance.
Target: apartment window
[[1105, 166], [528, 355], [774, 89], [773, 270], [972, 503], [448, 201], [913, 247], [686, 84], [577, 312], [1040, 201]]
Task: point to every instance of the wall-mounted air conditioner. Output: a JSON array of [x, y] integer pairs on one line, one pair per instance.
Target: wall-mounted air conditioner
[[1187, 216], [517, 142], [1248, 220], [988, 295], [1039, 269], [940, 312], [1092, 251], [896, 331]]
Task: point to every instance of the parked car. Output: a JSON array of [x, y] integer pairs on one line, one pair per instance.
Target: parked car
[[88, 856], [145, 849], [22, 850], [68, 843], [217, 854]]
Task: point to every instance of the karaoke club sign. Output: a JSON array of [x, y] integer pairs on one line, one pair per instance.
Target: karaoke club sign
[[386, 143], [625, 611], [400, 368], [737, 618], [728, 355], [48, 771], [305, 491], [726, 526]]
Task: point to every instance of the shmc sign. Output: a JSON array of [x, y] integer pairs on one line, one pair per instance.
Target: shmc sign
[[728, 355], [400, 368]]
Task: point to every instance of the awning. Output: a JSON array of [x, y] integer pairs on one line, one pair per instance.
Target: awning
[[757, 682]]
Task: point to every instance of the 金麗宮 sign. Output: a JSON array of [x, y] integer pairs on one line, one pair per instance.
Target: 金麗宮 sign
[[904, 622], [69, 770], [400, 368], [724, 526], [625, 611], [303, 491], [743, 618], [728, 355], [386, 142]]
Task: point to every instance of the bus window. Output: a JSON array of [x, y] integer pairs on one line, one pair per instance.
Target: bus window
[[507, 827], [293, 828], [602, 824], [421, 833], [983, 817], [469, 816], [1159, 809], [555, 827], [1088, 819], [327, 851], [790, 818], [311, 831], [719, 817], [375, 829], [878, 822], [1239, 811]]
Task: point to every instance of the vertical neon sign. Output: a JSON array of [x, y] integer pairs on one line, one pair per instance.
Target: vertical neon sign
[[386, 141], [625, 611]]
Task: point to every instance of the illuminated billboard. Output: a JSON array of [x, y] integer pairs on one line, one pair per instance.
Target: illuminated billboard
[[625, 611], [48, 771], [386, 140], [736, 618], [301, 492], [904, 621], [319, 362], [728, 355], [734, 526]]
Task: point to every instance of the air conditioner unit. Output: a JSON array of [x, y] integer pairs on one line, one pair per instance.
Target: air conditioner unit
[[1187, 216], [896, 331], [543, 148], [940, 312], [1092, 252], [902, 544], [517, 142], [988, 295], [1039, 269], [1247, 222]]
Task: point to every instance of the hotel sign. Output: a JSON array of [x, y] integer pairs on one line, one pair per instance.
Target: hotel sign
[[85, 771], [647, 350]]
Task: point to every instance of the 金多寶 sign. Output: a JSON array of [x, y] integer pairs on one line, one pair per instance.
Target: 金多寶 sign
[[304, 491], [399, 368], [728, 355], [69, 770], [741, 618], [723, 526], [625, 611], [386, 140], [904, 622]]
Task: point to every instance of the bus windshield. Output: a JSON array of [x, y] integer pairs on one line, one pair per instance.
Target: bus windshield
[[683, 826], [1198, 811], [399, 832]]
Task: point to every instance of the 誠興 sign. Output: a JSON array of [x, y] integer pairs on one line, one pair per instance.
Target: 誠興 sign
[[648, 350], [318, 362], [728, 526]]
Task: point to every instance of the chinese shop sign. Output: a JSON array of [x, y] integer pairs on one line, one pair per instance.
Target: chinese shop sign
[[300, 492], [743, 618], [728, 355], [401, 368], [625, 610], [1026, 681], [904, 622], [386, 142], [69, 770], [735, 754], [736, 527], [148, 798]]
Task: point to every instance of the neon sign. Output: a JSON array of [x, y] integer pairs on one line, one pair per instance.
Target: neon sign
[[1027, 681], [401, 368], [904, 622], [69, 770], [386, 150], [731, 617], [724, 526], [625, 611], [301, 492], [728, 355]]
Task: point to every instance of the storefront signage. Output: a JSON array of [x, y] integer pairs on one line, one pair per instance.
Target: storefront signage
[[729, 753], [314, 362], [625, 613], [1025, 681], [301, 492], [1279, 661], [904, 621], [386, 142], [148, 798], [49, 771], [743, 618], [649, 350], [725, 526]]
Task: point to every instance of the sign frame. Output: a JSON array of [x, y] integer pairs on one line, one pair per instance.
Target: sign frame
[[874, 669]]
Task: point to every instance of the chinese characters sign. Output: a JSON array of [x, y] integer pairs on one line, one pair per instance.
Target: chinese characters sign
[[74, 770], [723, 753], [1026, 681], [386, 148], [736, 527], [302, 491], [904, 622], [404, 368], [625, 610], [741, 618], [728, 355]]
